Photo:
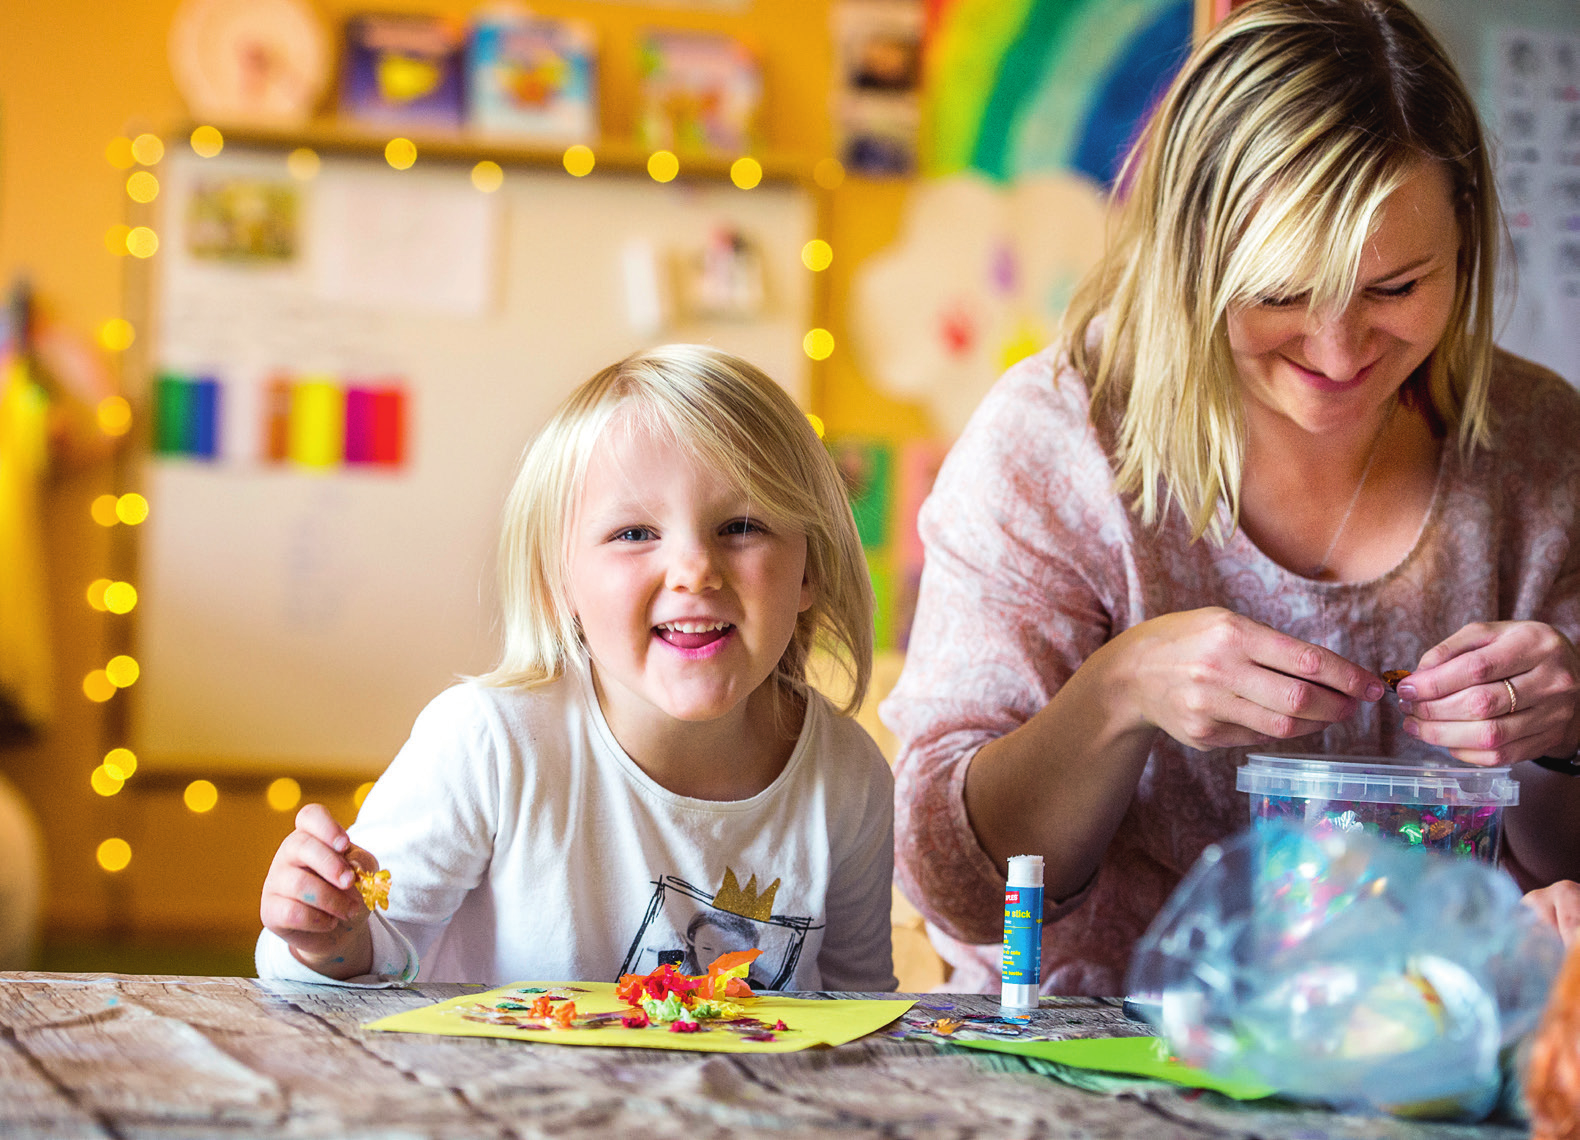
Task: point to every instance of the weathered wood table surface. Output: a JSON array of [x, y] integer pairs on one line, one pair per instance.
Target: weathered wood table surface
[[146, 1056]]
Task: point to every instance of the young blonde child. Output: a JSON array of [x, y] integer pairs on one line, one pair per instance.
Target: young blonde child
[[648, 758]]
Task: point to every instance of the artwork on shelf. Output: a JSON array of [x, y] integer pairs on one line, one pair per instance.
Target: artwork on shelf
[[250, 61], [532, 78], [878, 78], [699, 92], [403, 69]]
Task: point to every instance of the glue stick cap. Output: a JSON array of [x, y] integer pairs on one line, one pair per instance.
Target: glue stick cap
[[1025, 871]]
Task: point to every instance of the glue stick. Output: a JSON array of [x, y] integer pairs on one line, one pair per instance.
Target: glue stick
[[1022, 965]]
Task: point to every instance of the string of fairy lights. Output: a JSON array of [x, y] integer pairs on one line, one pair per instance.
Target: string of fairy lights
[[139, 157]]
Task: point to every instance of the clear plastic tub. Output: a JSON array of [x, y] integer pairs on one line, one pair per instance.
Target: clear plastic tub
[[1446, 807]]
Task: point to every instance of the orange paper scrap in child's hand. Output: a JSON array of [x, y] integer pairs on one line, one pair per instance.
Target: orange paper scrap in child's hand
[[374, 887]]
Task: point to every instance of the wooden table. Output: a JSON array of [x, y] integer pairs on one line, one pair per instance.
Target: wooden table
[[146, 1056]]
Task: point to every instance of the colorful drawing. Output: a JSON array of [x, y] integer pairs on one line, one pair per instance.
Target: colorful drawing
[[867, 469], [186, 416], [532, 78], [1017, 87], [698, 92], [243, 219], [402, 68]]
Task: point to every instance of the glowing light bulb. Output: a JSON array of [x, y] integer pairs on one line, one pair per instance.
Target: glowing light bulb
[[120, 597], [817, 255], [746, 172], [303, 163], [579, 160], [131, 508], [283, 794], [106, 782], [96, 590], [98, 687], [400, 153], [114, 415], [142, 187], [117, 333], [207, 142], [119, 153], [662, 166], [142, 242], [200, 796], [818, 344], [121, 762], [828, 173], [123, 671], [103, 510], [488, 176], [817, 424], [148, 149], [361, 793], [114, 854]]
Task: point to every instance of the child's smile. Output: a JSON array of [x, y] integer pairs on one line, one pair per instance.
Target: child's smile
[[686, 594]]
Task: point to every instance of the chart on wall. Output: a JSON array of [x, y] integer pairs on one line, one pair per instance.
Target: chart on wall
[[346, 371]]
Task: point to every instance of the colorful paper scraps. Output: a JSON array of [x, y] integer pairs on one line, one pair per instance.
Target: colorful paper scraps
[[374, 887], [687, 1013], [186, 416]]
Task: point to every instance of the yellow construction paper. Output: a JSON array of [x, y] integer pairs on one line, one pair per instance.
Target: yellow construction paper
[[810, 1022]]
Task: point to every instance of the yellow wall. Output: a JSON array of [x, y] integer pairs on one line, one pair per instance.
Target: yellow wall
[[75, 74]]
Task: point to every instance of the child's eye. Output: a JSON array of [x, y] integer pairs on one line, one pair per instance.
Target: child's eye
[[634, 534], [744, 526], [1281, 302]]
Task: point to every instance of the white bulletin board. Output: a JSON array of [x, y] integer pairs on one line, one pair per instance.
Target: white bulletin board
[[299, 617]]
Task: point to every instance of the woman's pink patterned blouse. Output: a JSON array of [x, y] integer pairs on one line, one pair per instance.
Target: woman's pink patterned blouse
[[1033, 562]]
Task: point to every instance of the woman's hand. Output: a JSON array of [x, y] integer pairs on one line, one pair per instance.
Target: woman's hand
[[1496, 693], [310, 899], [1211, 678], [1559, 907]]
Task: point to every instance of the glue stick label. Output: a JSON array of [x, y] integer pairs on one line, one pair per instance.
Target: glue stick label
[[1022, 963]]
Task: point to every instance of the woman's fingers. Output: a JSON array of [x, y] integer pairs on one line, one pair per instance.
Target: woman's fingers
[[1495, 693], [1558, 906], [315, 820], [1215, 679]]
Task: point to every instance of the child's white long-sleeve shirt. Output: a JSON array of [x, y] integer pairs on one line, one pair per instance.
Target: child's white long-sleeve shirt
[[523, 844]]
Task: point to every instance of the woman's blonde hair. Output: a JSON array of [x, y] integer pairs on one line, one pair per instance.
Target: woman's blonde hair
[[1261, 174], [732, 418]]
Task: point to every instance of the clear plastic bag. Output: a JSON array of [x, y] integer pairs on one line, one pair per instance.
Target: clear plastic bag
[[1344, 969]]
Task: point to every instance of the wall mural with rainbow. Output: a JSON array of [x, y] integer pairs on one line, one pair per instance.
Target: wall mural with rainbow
[[1027, 111]]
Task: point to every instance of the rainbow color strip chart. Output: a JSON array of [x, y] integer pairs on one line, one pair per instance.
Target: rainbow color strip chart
[[313, 421]]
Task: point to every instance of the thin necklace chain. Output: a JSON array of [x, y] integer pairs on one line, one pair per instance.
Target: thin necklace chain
[[1321, 567]]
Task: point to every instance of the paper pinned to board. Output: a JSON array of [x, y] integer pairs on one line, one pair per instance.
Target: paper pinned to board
[[419, 246], [808, 1021]]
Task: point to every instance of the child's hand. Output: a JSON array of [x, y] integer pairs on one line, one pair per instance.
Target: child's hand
[[1559, 906], [310, 897]]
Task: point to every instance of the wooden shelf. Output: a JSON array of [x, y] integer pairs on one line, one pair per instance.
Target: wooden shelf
[[338, 137]]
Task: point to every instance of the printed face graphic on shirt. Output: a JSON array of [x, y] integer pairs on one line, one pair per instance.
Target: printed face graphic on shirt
[[683, 917], [687, 596]]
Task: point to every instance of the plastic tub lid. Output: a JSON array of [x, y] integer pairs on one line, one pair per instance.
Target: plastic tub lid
[[1375, 779]]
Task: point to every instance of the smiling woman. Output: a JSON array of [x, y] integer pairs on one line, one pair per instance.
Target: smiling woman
[[1274, 453]]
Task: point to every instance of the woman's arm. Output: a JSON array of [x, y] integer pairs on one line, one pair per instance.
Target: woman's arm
[[1059, 785]]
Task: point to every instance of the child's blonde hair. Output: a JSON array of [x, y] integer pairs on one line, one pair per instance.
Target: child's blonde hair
[[731, 417], [1262, 174]]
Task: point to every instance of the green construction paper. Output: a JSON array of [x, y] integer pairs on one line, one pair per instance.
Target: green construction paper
[[1136, 1056]]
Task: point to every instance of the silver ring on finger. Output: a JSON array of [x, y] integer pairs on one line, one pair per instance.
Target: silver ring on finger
[[1514, 698]]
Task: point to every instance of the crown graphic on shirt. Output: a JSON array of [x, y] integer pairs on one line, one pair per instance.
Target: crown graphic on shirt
[[747, 903]]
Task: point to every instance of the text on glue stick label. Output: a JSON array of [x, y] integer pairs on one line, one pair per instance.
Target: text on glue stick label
[[1022, 963]]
